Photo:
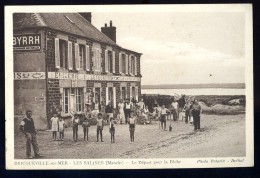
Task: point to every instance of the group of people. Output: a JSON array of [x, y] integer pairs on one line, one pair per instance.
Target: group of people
[[124, 113], [191, 112], [27, 127], [127, 112]]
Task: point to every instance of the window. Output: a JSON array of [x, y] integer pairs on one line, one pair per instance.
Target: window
[[96, 60], [133, 92], [110, 94], [123, 93], [81, 56], [79, 99], [63, 54], [123, 63], [97, 94], [73, 99]]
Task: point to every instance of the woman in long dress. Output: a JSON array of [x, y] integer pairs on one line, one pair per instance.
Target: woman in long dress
[[121, 111]]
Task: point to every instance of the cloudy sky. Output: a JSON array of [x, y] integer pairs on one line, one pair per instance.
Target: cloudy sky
[[183, 47]]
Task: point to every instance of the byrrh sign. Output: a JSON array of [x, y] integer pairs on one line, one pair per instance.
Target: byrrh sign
[[27, 42]]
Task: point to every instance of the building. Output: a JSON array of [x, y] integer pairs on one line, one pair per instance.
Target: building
[[62, 61]]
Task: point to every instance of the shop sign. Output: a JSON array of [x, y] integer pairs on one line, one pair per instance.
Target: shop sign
[[27, 42], [29, 75], [39, 98], [75, 76]]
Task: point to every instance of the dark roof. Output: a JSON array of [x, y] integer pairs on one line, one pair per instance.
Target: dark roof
[[72, 23]]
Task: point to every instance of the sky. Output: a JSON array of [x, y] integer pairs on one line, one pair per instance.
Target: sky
[[183, 47]]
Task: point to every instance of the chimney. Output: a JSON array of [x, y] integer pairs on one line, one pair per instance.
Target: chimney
[[110, 31], [87, 16]]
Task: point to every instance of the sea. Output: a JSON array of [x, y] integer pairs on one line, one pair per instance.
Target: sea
[[196, 91]]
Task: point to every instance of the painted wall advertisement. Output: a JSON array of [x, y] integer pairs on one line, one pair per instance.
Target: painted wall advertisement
[[27, 42]]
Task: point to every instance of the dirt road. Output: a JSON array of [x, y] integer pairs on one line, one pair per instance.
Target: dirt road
[[220, 136]]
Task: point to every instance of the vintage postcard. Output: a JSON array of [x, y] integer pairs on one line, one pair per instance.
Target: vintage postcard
[[129, 87]]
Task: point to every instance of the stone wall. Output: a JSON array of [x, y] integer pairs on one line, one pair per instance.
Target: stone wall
[[30, 94]]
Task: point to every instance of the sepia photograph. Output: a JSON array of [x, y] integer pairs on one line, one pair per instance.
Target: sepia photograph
[[113, 87]]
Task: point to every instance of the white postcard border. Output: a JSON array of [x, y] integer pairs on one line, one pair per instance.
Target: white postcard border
[[247, 161]]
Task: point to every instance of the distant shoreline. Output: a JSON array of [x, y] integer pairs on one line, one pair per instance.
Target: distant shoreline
[[196, 86]]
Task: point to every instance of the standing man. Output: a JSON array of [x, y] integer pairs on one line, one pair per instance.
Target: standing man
[[86, 123], [127, 109], [187, 112], [196, 111], [175, 109], [181, 102], [28, 129]]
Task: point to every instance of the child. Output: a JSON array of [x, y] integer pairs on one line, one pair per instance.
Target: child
[[75, 124], [109, 111], [112, 130], [163, 114], [61, 128], [132, 122], [100, 125], [119, 118], [158, 111], [54, 126], [86, 124]]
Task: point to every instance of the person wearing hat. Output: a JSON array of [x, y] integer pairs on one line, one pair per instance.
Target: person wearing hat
[[196, 111], [28, 129]]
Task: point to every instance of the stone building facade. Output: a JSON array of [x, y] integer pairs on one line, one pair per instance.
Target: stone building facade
[[62, 62]]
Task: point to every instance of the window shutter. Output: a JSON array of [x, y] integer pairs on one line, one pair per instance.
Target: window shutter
[[106, 95], [136, 93], [126, 64], [114, 61], [77, 56], [70, 64], [135, 66], [99, 60], [57, 53], [120, 63], [94, 60], [106, 60], [130, 64], [87, 58], [114, 97]]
